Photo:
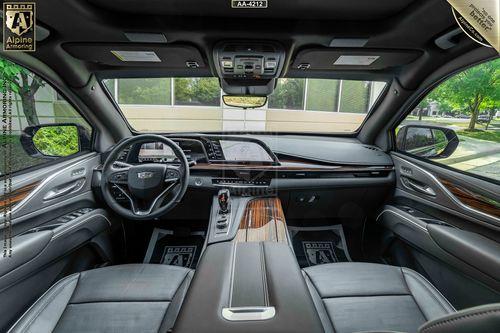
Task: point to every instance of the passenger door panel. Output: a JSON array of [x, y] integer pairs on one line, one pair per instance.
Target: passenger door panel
[[452, 241], [447, 184]]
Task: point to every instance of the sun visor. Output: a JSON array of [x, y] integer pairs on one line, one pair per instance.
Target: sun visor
[[176, 56], [323, 59]]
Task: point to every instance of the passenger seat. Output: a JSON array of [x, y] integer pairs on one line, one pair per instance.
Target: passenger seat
[[355, 297]]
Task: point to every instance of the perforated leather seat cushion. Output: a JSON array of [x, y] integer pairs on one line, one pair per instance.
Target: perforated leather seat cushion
[[353, 297], [124, 298]]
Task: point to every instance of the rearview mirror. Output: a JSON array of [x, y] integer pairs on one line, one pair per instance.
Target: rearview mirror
[[245, 102], [55, 140], [427, 140]]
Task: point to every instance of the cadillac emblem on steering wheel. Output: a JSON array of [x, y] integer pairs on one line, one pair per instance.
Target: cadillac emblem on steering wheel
[[144, 175]]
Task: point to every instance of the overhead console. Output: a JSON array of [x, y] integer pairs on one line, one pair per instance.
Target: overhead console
[[248, 68]]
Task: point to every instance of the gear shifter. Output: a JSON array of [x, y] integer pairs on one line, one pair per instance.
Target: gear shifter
[[223, 216], [223, 197]]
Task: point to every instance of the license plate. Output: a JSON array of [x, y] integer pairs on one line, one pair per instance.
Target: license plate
[[249, 3]]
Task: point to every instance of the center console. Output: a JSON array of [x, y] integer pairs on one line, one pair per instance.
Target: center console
[[248, 279], [248, 287]]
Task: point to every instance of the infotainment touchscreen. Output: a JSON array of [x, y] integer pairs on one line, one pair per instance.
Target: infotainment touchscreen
[[244, 151]]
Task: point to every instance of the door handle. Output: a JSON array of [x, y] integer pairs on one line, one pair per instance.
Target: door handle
[[61, 191], [417, 186]]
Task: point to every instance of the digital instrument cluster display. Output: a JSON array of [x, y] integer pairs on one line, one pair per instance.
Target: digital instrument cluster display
[[155, 152]]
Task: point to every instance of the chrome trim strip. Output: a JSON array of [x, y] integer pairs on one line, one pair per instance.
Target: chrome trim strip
[[231, 276], [65, 229], [249, 313], [45, 181], [448, 193], [227, 185], [403, 217], [150, 209]]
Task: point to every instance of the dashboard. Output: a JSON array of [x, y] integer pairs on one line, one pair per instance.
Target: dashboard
[[263, 162], [316, 176]]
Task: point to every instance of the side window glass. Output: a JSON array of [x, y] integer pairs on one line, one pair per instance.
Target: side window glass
[[40, 124], [458, 123]]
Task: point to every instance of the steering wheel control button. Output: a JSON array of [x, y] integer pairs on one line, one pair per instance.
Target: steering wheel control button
[[171, 174], [119, 178]]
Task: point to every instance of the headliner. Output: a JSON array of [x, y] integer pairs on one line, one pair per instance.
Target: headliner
[[298, 25]]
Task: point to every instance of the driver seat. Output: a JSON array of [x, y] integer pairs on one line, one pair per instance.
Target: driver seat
[[124, 298]]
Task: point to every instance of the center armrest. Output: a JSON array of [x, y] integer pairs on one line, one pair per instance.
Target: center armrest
[[248, 287]]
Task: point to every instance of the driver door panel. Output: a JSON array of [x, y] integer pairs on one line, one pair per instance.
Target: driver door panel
[[56, 229], [52, 235]]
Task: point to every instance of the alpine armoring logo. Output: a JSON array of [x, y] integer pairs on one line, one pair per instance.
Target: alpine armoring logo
[[19, 26]]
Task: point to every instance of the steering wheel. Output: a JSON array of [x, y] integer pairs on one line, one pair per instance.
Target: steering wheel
[[146, 186]]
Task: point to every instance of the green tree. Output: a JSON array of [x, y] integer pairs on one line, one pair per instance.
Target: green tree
[[25, 84], [204, 91], [289, 94], [355, 96], [57, 140], [472, 90], [490, 105], [181, 89], [207, 91], [144, 91]]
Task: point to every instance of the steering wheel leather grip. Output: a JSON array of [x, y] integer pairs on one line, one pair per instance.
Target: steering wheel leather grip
[[145, 185]]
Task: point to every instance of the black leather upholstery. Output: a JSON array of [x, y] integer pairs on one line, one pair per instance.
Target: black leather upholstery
[[484, 319], [124, 298], [353, 297]]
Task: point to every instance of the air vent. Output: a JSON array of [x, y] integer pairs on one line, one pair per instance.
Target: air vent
[[123, 155]]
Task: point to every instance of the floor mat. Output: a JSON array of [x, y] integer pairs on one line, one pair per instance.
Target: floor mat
[[178, 250], [319, 245]]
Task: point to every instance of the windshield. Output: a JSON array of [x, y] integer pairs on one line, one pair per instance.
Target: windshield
[[195, 105]]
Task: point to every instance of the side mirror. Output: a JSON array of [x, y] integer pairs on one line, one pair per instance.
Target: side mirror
[[427, 140], [55, 140]]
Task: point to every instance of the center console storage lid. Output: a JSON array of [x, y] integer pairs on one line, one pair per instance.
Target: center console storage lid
[[226, 270]]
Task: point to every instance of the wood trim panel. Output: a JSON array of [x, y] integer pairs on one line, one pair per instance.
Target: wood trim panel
[[472, 199], [290, 166], [17, 195], [263, 221]]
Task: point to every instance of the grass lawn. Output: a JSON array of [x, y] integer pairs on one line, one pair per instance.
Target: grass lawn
[[462, 123], [482, 135]]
